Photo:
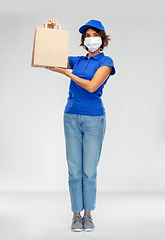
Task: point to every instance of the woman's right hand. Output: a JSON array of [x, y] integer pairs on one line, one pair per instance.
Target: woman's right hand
[[51, 23]]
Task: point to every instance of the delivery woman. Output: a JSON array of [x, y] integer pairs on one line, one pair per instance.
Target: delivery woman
[[85, 119]]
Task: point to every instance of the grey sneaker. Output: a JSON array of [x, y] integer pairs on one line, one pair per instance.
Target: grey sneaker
[[88, 224], [77, 223]]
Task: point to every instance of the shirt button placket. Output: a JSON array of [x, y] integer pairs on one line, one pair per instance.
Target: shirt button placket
[[86, 63]]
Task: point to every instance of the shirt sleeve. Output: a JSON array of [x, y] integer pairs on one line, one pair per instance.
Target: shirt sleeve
[[107, 61], [72, 61]]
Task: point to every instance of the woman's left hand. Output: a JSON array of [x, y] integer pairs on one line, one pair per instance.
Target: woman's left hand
[[58, 69]]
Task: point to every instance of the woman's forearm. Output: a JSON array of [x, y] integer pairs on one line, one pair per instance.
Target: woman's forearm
[[100, 76], [86, 84], [90, 85]]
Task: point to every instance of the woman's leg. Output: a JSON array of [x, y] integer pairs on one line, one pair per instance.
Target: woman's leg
[[93, 135], [73, 142]]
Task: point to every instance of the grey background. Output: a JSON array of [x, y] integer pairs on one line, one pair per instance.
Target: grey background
[[32, 147]]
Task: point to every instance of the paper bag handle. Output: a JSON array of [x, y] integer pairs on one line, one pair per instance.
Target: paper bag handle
[[57, 24]]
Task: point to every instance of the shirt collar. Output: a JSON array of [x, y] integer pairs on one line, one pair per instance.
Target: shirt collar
[[96, 57]]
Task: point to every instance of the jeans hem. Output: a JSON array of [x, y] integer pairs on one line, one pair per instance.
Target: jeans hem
[[77, 211], [88, 210]]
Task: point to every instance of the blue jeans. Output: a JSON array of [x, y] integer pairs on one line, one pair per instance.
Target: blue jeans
[[83, 139]]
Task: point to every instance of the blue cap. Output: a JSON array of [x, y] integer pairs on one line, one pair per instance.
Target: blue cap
[[92, 23]]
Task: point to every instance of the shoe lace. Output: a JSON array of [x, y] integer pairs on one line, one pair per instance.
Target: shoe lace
[[87, 218], [77, 218]]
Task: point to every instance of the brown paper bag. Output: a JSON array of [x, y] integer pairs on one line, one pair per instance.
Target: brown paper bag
[[50, 47]]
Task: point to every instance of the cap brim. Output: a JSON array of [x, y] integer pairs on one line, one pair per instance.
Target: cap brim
[[84, 27]]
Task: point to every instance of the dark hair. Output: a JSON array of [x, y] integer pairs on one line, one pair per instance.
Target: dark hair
[[105, 38]]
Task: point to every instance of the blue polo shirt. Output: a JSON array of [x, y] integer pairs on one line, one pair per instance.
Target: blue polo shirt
[[80, 101]]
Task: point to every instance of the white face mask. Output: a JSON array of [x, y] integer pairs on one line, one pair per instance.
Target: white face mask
[[93, 43]]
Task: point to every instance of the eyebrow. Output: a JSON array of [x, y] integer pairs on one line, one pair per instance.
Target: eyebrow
[[93, 33]]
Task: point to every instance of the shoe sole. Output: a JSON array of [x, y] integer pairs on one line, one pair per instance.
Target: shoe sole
[[77, 230], [89, 229]]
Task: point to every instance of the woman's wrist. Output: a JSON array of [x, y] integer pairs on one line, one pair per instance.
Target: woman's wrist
[[67, 73]]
